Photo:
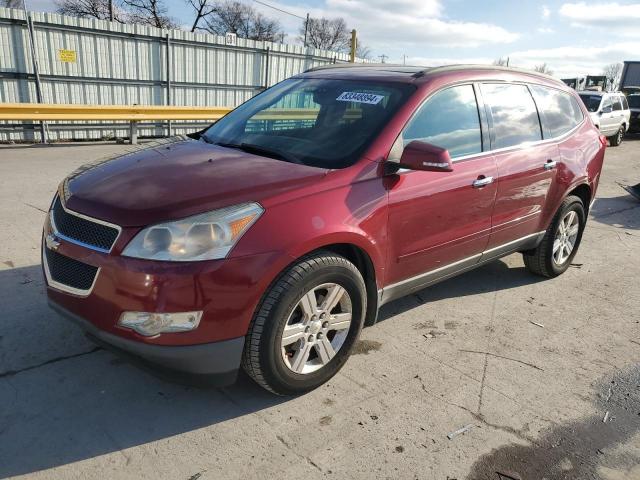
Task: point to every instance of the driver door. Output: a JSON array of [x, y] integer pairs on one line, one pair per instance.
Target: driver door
[[440, 222]]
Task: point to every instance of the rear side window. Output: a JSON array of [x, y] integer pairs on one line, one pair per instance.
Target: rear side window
[[559, 111], [449, 119], [514, 115], [617, 104]]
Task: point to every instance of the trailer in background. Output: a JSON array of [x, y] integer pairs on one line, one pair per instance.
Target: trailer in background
[[630, 79], [577, 83], [596, 83]]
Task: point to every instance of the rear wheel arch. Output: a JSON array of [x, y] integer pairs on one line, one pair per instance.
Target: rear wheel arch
[[583, 192]]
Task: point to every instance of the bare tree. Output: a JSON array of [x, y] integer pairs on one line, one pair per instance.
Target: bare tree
[[144, 12], [88, 9], [149, 12], [327, 34], [543, 68], [501, 62], [203, 8], [239, 18], [613, 72], [362, 51], [11, 3]]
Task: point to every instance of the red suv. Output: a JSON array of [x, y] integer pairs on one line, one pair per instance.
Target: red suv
[[269, 239]]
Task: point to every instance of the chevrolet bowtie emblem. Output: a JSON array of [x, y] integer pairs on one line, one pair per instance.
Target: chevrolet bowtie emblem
[[51, 242]]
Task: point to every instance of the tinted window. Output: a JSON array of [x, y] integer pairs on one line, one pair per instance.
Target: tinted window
[[559, 111], [606, 103], [326, 123], [634, 101], [625, 105], [617, 105], [592, 102], [449, 119], [515, 118]]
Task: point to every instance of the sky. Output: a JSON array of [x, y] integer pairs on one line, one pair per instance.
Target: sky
[[573, 38]]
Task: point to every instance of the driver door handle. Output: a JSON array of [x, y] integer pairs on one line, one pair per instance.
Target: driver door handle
[[482, 181], [550, 164]]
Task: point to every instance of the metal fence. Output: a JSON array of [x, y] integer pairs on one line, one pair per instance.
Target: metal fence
[[87, 61]]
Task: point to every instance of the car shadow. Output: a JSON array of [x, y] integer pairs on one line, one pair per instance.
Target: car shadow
[[63, 400], [494, 276]]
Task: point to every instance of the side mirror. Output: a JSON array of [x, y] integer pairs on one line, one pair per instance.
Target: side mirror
[[419, 155]]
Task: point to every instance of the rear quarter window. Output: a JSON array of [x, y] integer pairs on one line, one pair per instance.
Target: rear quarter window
[[514, 114], [559, 111], [617, 104], [625, 104]]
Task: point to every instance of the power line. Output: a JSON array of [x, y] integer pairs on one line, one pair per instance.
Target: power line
[[279, 9]]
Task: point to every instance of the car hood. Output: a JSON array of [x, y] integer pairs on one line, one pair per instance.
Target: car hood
[[176, 178]]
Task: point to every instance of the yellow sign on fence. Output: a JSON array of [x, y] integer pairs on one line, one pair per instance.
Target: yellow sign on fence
[[68, 56]]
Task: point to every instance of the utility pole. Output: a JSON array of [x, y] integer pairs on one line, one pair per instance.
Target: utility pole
[[354, 45], [306, 29], [383, 57], [111, 15]]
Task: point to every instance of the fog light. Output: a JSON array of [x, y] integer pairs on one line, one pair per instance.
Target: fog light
[[150, 324]]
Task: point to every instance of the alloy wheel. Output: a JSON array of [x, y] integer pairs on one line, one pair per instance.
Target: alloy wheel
[[316, 328], [565, 239]]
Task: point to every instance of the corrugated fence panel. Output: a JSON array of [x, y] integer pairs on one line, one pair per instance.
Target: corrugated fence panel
[[119, 64]]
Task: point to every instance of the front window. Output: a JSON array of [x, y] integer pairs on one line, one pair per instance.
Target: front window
[[449, 119], [320, 122], [592, 102], [634, 101]]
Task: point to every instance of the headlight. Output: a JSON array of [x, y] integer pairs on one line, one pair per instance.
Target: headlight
[[207, 236]]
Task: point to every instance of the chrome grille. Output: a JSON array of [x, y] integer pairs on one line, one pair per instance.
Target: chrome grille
[[82, 230], [69, 274]]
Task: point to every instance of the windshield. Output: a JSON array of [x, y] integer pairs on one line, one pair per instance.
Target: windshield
[[320, 122], [592, 102], [634, 101]]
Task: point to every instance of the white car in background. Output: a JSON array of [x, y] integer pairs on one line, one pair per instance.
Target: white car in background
[[609, 112]]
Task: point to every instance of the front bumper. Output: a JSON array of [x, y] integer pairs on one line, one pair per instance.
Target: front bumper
[[214, 363]]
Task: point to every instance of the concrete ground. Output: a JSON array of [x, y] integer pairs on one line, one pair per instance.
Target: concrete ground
[[462, 353]]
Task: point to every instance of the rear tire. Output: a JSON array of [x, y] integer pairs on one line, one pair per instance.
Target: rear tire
[[616, 140], [300, 336], [560, 242]]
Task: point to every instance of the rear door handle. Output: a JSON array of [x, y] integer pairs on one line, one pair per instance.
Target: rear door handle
[[550, 164], [482, 181]]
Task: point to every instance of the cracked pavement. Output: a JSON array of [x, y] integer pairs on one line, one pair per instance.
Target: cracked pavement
[[464, 352]]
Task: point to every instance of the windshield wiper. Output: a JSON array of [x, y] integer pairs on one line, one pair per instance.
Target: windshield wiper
[[260, 150]]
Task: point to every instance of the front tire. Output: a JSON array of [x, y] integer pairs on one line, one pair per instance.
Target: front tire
[[560, 242], [617, 138], [306, 325]]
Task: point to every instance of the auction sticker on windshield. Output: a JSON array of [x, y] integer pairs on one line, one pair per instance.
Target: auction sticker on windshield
[[359, 97]]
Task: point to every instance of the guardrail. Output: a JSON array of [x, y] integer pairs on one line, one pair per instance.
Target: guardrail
[[136, 113], [132, 114]]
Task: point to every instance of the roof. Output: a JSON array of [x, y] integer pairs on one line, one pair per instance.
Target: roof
[[412, 72]]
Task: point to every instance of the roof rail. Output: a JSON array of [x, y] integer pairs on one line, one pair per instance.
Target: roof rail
[[448, 68], [444, 68], [350, 65]]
